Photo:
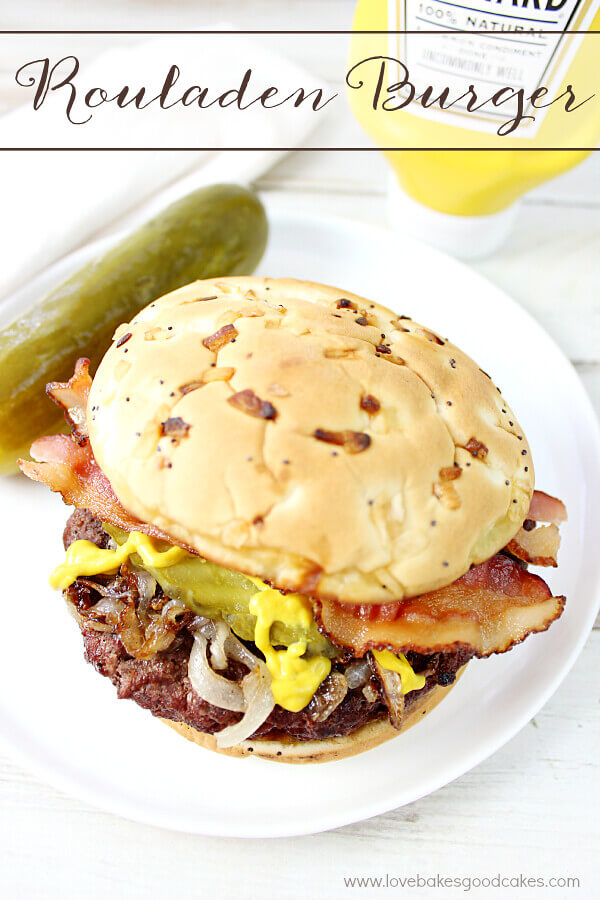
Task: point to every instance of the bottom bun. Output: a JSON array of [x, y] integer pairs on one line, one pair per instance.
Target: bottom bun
[[287, 750]]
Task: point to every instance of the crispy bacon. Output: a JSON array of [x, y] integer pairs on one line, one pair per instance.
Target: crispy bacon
[[66, 463], [545, 508], [539, 546], [491, 608], [71, 470], [73, 398]]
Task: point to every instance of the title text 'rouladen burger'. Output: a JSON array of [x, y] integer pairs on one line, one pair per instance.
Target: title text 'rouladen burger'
[[298, 516]]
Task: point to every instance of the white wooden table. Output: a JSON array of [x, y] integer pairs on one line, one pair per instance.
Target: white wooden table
[[532, 808]]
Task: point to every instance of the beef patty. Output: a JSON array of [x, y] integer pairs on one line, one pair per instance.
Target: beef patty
[[160, 683]]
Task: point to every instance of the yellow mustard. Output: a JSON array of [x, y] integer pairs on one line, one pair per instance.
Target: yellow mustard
[[471, 182], [410, 680], [84, 558], [294, 677]]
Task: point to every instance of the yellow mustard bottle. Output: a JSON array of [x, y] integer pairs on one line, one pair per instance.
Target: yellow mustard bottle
[[499, 83]]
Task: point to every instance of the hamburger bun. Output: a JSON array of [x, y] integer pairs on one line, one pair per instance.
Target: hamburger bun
[[309, 437], [286, 750]]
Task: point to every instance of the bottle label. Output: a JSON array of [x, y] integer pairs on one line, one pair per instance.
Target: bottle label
[[523, 47]]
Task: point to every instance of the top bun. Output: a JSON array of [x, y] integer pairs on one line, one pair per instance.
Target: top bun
[[304, 435]]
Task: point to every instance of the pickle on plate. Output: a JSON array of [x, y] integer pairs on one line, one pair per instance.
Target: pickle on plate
[[219, 230]]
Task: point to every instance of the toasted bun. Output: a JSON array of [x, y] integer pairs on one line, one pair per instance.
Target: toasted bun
[[287, 750], [215, 415]]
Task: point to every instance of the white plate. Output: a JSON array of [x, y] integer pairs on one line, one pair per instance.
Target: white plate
[[63, 720]]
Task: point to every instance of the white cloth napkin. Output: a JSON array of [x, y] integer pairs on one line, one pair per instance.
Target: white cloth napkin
[[52, 202]]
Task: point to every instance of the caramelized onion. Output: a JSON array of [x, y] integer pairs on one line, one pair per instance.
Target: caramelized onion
[[105, 590], [108, 608], [131, 633], [357, 673], [211, 687], [256, 688], [329, 696], [217, 633], [370, 693], [145, 582], [218, 656], [240, 653], [144, 639], [100, 626], [172, 609], [393, 697], [222, 640], [253, 697]]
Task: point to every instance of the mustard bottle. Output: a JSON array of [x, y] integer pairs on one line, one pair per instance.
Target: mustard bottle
[[498, 86]]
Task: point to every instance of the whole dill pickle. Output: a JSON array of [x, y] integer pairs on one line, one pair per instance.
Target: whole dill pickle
[[215, 231]]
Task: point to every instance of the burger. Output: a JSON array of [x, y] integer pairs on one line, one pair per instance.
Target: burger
[[298, 515]]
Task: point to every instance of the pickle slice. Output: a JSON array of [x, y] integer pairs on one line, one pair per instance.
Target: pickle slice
[[215, 592], [215, 231], [218, 593]]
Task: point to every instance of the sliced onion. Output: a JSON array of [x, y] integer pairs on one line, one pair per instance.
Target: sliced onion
[[73, 611], [238, 651], [218, 656], [213, 688], [218, 632], [99, 626], [203, 625], [105, 590], [146, 583], [256, 688], [357, 673], [329, 696], [370, 693], [392, 694], [253, 697], [131, 633], [108, 607], [172, 609]]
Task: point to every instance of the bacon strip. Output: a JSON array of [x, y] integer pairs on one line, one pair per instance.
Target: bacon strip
[[66, 463], [490, 609], [73, 397], [538, 547], [71, 470], [545, 508]]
